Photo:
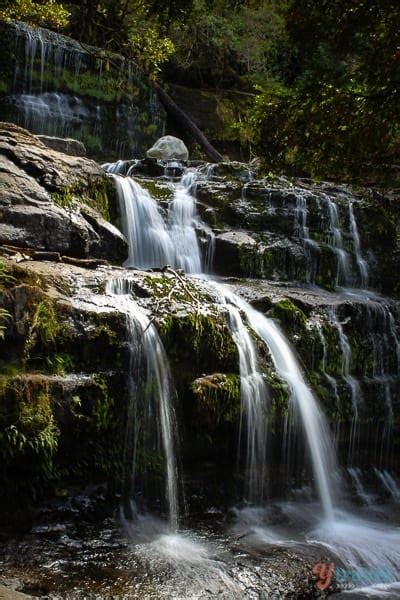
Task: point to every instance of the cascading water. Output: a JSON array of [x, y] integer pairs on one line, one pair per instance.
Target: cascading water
[[159, 406], [361, 263], [139, 207], [335, 240], [302, 232], [340, 532], [150, 244], [304, 403], [351, 381], [389, 484], [355, 475], [315, 428], [182, 217], [254, 400]]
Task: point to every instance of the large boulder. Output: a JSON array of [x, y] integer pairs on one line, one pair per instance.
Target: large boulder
[[168, 148], [50, 201]]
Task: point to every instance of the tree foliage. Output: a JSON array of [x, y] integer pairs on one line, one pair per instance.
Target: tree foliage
[[230, 44], [45, 14], [135, 28], [339, 115]]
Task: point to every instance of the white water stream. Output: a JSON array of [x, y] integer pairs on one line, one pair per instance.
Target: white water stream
[[358, 543]]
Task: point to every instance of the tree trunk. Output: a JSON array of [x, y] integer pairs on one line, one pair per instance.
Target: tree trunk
[[186, 122]]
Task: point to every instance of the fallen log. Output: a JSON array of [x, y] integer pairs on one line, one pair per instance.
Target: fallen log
[[88, 263], [186, 122]]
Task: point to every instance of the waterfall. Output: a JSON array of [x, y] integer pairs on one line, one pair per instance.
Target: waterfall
[[158, 380], [331, 380], [302, 232], [152, 242], [182, 219], [355, 475], [355, 541], [51, 112], [254, 399], [43, 107], [150, 245], [335, 241], [361, 263], [62, 89], [315, 428], [389, 484], [352, 382]]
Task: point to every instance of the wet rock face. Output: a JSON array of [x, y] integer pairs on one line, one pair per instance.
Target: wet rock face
[[44, 196], [54, 86], [65, 367], [305, 231]]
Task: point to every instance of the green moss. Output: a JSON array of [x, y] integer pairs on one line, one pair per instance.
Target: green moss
[[279, 396], [289, 313], [168, 289], [159, 191], [218, 398], [46, 332], [12, 275], [103, 405], [256, 261], [5, 317], [96, 196], [202, 335], [45, 322], [64, 198], [93, 432], [3, 87], [7, 278], [11, 369]]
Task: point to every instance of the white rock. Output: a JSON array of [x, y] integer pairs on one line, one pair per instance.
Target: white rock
[[167, 148]]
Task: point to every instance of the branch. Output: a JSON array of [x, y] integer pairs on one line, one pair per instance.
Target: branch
[[186, 122]]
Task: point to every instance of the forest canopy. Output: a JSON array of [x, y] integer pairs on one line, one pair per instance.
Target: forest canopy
[[325, 75]]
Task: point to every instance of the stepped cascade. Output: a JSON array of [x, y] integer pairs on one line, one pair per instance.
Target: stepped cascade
[[174, 232], [230, 374]]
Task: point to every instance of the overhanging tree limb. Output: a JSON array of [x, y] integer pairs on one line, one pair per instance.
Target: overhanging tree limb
[[186, 122]]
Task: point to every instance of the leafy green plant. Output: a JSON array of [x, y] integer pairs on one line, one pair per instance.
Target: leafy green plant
[[59, 364], [6, 279], [46, 14], [4, 317], [28, 437]]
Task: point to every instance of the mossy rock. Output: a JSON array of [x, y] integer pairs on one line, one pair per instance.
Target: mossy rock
[[57, 431], [217, 399], [198, 342], [289, 314], [159, 190]]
